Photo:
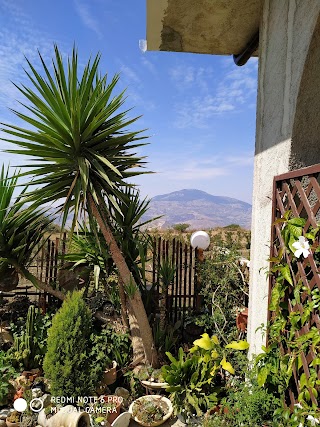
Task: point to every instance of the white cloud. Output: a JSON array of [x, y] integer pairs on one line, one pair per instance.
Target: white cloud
[[240, 160], [184, 77], [19, 38], [129, 74], [133, 83], [197, 111], [237, 88], [149, 65], [86, 16]]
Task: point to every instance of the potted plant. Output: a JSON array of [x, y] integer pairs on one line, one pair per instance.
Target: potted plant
[[151, 411], [110, 373], [112, 407], [152, 378], [13, 420]]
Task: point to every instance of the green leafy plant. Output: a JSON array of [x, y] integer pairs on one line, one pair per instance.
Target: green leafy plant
[[248, 404], [7, 372], [197, 379], [108, 345], [67, 363]]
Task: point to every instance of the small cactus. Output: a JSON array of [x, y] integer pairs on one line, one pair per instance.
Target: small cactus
[[23, 345]]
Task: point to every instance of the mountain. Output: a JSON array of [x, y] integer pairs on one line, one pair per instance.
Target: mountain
[[199, 209]]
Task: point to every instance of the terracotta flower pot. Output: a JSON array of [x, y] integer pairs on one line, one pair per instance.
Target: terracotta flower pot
[[110, 375], [10, 424], [242, 320], [115, 407]]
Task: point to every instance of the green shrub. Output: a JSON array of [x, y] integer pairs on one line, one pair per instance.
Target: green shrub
[[7, 372], [250, 405], [181, 227], [67, 363]]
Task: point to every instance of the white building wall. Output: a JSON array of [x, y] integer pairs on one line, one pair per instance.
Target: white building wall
[[286, 30]]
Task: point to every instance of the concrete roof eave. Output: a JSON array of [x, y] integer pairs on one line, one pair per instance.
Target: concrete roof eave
[[218, 27]]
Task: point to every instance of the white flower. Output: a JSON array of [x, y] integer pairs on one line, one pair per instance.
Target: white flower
[[298, 405], [302, 247], [313, 420]]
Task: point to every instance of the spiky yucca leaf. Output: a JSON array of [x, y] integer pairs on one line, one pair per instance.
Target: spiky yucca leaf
[[126, 223], [22, 228], [78, 137], [85, 251]]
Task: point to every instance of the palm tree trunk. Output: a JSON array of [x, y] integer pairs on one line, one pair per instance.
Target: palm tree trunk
[[124, 304], [163, 311], [134, 299], [137, 344]]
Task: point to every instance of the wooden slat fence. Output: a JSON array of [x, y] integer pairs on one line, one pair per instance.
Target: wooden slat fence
[[299, 192], [50, 259], [181, 295]]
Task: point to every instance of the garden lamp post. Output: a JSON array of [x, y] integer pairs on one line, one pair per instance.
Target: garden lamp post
[[200, 241]]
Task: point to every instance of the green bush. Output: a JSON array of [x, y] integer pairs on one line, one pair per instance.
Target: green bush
[[250, 405], [245, 404], [67, 363], [7, 372], [181, 227]]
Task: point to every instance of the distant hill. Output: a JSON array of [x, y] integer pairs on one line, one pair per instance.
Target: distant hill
[[199, 209]]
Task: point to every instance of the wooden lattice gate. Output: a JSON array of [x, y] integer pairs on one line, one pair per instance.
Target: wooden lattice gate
[[182, 296], [299, 192]]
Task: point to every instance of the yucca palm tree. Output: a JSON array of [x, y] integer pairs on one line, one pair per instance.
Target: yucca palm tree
[[83, 152], [22, 233], [127, 224]]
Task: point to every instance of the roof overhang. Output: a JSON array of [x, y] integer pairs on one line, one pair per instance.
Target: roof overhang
[[219, 27]]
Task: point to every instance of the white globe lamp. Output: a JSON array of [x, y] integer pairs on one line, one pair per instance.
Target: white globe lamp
[[200, 240]]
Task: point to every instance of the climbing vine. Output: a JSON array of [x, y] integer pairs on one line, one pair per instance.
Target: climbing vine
[[290, 362]]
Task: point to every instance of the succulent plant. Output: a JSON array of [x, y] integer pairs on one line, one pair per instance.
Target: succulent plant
[[148, 410]]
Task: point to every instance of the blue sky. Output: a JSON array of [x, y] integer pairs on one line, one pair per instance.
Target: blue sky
[[199, 109]]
